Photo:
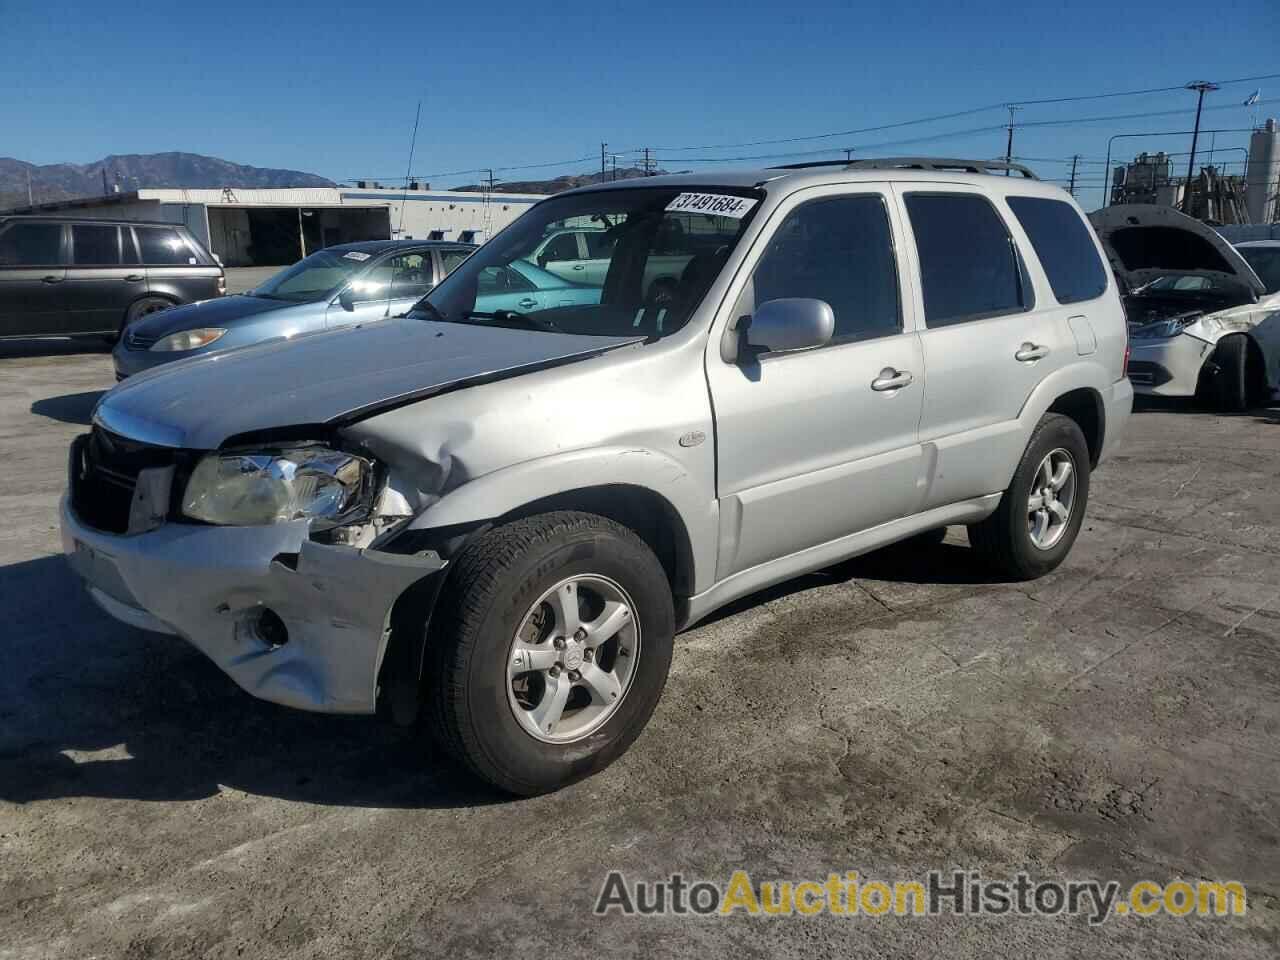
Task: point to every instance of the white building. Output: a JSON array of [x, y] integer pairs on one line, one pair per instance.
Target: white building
[[268, 227]]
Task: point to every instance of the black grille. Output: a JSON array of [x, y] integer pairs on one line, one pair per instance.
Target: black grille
[[104, 472], [140, 341], [1148, 374]]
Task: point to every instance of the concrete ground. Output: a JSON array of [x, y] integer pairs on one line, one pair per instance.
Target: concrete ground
[[1116, 720]]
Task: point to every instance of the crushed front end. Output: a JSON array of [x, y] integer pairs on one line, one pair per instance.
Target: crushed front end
[[288, 593]]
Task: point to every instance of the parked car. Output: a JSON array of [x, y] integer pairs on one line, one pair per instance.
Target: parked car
[[509, 513], [67, 277], [582, 255], [1204, 316], [347, 284]]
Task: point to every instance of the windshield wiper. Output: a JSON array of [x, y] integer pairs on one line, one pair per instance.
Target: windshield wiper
[[509, 317]]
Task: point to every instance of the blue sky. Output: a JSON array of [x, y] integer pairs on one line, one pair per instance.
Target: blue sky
[[331, 88]]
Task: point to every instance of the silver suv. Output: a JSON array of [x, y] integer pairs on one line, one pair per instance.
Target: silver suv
[[506, 514]]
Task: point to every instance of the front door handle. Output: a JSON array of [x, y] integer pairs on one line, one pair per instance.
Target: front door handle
[[134, 278], [1031, 352], [890, 379], [528, 303], [579, 266], [51, 279]]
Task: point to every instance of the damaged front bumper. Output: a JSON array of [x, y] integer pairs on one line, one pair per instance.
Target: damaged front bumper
[[213, 586], [1168, 367]]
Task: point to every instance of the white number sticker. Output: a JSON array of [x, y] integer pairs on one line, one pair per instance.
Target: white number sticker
[[713, 204], [356, 255]]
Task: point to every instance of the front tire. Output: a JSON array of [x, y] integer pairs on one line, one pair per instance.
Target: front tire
[[1039, 516], [1231, 386], [549, 650]]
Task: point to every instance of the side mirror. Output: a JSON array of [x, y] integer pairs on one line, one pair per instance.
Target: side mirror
[[543, 260], [792, 323], [348, 299]]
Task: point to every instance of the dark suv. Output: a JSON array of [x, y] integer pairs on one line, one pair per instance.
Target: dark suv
[[61, 276]]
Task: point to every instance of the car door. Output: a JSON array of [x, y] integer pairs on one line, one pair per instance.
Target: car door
[[99, 287], [818, 444], [505, 288], [599, 255], [564, 255], [987, 343], [32, 271]]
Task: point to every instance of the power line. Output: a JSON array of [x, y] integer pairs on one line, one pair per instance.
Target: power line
[[945, 116]]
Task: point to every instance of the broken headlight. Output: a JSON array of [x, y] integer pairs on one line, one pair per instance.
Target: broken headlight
[[276, 486]]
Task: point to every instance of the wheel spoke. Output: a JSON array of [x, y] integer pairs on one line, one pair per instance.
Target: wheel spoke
[[565, 604], [1040, 525], [546, 715], [532, 656], [1061, 475], [1035, 502], [616, 615], [604, 687], [1058, 509]]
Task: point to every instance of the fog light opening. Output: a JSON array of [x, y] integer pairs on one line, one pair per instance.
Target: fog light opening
[[267, 626]]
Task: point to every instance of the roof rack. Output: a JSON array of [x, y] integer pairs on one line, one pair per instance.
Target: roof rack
[[940, 164]]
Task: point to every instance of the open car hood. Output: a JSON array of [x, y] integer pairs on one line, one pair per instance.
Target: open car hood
[[1146, 241]]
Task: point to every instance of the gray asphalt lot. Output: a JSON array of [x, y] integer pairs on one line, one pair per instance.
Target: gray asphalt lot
[[1119, 719]]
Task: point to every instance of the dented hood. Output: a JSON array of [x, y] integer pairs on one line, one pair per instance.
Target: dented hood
[[1146, 241], [325, 378]]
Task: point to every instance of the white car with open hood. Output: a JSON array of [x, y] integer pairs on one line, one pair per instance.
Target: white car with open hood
[[1204, 316]]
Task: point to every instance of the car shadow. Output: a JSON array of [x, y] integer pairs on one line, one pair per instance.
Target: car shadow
[[92, 708], [911, 561], [68, 408], [51, 347]]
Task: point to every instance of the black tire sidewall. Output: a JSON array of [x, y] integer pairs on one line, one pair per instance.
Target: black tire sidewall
[[529, 765], [134, 313], [1232, 355], [1055, 432]]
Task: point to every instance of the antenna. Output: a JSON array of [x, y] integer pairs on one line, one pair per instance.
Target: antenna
[[413, 142], [404, 200]]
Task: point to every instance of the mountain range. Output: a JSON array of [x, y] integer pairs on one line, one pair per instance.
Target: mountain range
[[64, 181]]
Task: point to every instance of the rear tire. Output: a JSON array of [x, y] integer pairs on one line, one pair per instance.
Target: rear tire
[[1231, 386], [506, 599], [1023, 543]]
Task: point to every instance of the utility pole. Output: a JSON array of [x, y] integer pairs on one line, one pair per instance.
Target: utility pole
[[648, 169], [1074, 160], [603, 147], [105, 191], [30, 199], [1008, 148], [1201, 87], [614, 159], [848, 154]]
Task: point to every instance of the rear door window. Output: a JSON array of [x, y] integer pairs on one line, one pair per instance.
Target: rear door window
[[95, 244], [449, 259], [31, 245], [164, 246], [969, 267], [1064, 246]]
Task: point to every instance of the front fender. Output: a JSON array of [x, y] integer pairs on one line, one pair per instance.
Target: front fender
[[503, 491]]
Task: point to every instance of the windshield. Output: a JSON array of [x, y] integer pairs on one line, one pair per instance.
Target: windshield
[[1266, 264], [314, 277], [608, 263]]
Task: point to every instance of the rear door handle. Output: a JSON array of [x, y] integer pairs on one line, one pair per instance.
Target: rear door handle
[[52, 279], [133, 278], [1031, 352], [579, 266], [891, 379]]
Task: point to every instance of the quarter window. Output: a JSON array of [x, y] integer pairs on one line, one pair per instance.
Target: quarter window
[[969, 267], [95, 244], [163, 246], [1064, 246], [451, 258], [841, 251], [31, 245]]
